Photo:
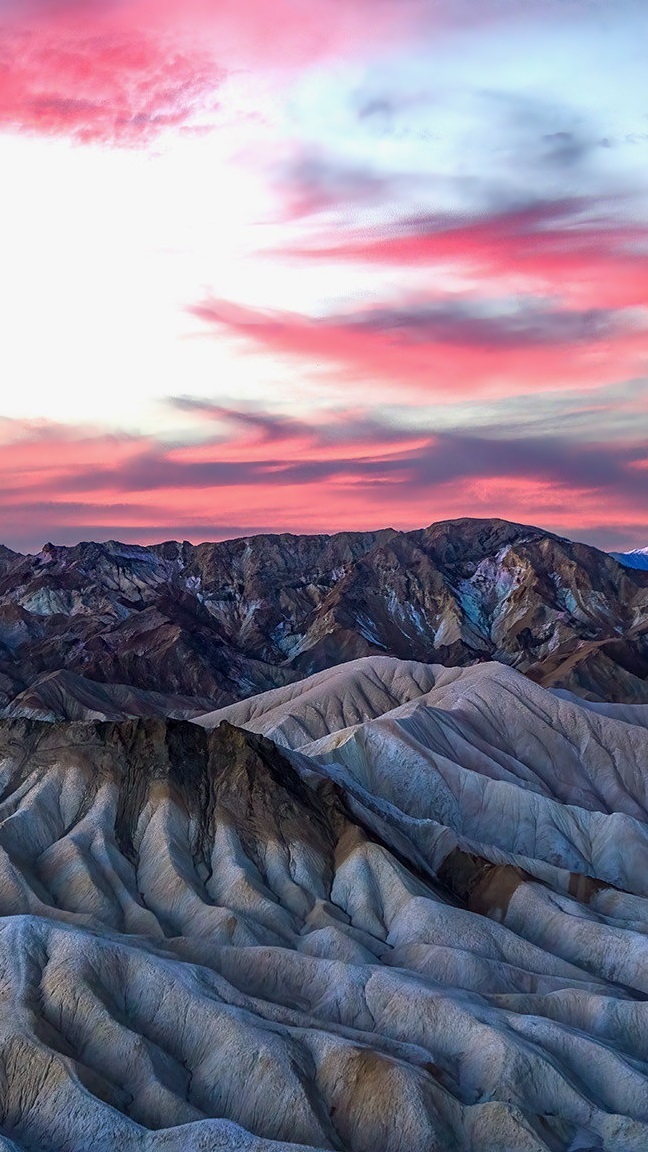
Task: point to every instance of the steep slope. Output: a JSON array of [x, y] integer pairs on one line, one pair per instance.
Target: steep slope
[[418, 923], [225, 621], [7, 558], [66, 696]]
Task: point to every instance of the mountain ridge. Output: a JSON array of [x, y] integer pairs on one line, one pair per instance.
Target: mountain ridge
[[635, 558], [218, 622]]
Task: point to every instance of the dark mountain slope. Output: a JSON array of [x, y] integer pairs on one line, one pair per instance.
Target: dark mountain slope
[[222, 621]]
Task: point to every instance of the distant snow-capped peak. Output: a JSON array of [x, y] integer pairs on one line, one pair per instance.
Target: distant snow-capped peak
[[637, 558]]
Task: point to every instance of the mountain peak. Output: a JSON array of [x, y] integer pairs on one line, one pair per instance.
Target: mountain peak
[[635, 558]]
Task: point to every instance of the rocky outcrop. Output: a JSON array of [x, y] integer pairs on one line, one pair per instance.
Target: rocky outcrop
[[220, 622]]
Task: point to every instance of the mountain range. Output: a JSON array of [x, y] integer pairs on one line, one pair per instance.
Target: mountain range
[[113, 630], [324, 843]]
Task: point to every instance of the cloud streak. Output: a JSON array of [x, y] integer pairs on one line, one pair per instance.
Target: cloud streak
[[435, 348], [352, 470], [570, 247]]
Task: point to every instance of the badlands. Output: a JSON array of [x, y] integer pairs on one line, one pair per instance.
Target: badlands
[[395, 906]]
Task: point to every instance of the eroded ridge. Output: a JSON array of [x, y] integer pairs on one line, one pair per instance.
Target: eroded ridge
[[396, 907]]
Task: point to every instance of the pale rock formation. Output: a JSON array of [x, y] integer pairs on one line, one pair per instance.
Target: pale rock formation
[[415, 919]]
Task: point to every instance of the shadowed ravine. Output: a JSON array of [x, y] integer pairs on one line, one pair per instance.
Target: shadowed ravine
[[396, 907]]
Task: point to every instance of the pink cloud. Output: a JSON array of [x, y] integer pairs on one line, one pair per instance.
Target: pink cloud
[[35, 454], [121, 73], [546, 247], [351, 472], [382, 353], [106, 78], [576, 285]]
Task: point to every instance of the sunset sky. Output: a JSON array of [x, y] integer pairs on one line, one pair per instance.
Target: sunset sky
[[313, 265]]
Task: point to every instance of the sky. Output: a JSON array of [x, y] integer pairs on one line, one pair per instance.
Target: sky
[[322, 265]]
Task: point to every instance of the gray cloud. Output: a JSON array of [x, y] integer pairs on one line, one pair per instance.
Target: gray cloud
[[313, 182], [467, 324]]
